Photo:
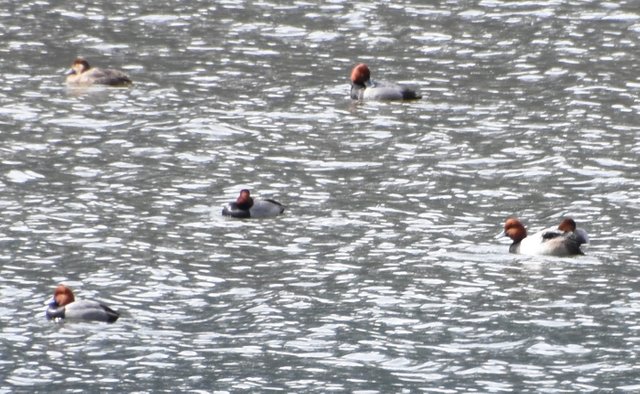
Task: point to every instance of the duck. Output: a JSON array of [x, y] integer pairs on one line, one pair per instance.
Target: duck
[[64, 306], [364, 88], [568, 227], [246, 206], [561, 241], [82, 74]]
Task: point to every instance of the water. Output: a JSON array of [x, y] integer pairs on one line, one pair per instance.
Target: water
[[384, 274]]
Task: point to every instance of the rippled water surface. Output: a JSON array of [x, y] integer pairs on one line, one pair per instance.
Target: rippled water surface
[[384, 274]]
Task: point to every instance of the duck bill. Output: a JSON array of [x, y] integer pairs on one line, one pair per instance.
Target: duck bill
[[501, 235]]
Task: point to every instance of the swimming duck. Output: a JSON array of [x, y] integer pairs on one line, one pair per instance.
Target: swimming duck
[[364, 88], [64, 306], [564, 240], [568, 226], [82, 74], [246, 206]]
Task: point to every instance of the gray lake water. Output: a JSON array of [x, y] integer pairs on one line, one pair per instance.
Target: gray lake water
[[384, 274]]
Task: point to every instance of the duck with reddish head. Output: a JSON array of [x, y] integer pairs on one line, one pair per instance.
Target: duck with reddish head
[[82, 74], [365, 88], [246, 206], [64, 306], [563, 240], [568, 227]]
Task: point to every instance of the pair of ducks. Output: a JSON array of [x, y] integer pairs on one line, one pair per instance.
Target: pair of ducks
[[362, 86], [64, 306], [563, 240]]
